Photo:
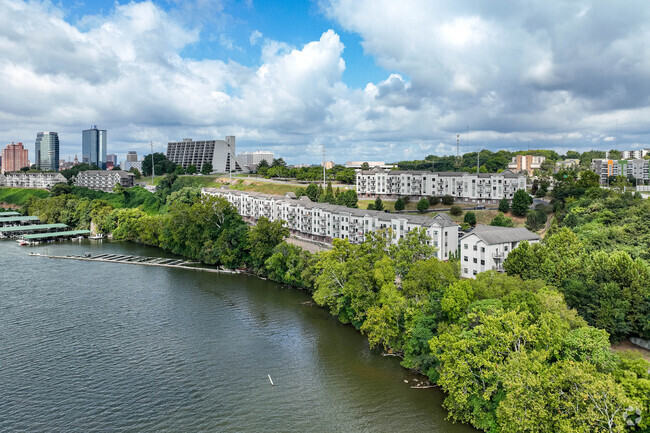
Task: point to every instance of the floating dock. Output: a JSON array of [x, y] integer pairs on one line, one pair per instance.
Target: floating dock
[[55, 236], [29, 229], [9, 214], [140, 260], [17, 220]]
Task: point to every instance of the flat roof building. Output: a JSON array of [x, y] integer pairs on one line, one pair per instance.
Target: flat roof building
[[14, 157], [93, 147], [101, 180], [47, 151], [219, 153]]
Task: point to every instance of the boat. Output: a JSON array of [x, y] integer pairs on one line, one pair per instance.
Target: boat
[[97, 237]]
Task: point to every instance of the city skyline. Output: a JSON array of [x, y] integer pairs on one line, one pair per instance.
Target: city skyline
[[365, 79]]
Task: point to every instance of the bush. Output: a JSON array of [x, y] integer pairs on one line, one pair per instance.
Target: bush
[[448, 200], [456, 210], [502, 221], [399, 204], [536, 220], [423, 205], [504, 205], [434, 200], [470, 218]]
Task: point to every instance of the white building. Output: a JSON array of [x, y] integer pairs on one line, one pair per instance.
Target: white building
[[128, 165], [255, 157], [635, 154], [473, 187], [526, 163], [486, 248], [372, 164], [219, 153], [101, 180], [324, 222], [31, 180]]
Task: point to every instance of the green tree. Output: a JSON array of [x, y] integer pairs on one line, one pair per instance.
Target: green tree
[[502, 221], [312, 192], [423, 205], [191, 169], [179, 170], [379, 205], [207, 168], [456, 210], [136, 172], [263, 238], [504, 205], [365, 166], [447, 200], [520, 203], [399, 204], [470, 218]]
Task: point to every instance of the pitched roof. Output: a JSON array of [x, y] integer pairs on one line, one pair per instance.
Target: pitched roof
[[497, 235]]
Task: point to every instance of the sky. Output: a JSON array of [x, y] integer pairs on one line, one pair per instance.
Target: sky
[[365, 79]]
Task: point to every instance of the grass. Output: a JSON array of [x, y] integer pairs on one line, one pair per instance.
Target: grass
[[486, 216], [19, 196], [251, 185]]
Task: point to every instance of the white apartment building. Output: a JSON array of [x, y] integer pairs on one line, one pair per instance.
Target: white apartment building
[[472, 187], [635, 154], [526, 163], [219, 153], [324, 222], [256, 157], [486, 248], [31, 180], [101, 180]]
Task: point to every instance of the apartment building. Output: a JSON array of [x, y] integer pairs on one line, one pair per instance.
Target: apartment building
[[487, 247], [631, 168], [219, 153], [101, 180], [31, 180], [14, 157], [472, 187], [526, 163], [635, 154], [324, 222]]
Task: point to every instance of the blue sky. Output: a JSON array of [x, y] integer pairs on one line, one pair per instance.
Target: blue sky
[[369, 79]]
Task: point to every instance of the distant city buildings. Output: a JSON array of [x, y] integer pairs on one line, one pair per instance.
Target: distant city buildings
[[327, 164], [472, 187], [324, 222], [567, 164], [31, 180], [132, 156], [486, 248], [255, 157], [93, 147], [65, 165], [131, 161], [526, 163], [47, 151], [14, 157], [371, 164], [635, 154], [631, 168], [101, 180], [219, 153], [112, 158]]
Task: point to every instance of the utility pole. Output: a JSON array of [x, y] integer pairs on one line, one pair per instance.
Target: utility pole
[[152, 165], [324, 168]]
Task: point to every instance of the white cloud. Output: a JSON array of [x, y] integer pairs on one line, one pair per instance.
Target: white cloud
[[255, 37]]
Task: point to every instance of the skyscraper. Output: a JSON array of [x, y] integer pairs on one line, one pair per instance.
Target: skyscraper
[[14, 157], [47, 151], [219, 153], [93, 147]]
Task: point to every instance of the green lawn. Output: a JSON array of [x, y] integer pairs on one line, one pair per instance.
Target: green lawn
[[19, 196]]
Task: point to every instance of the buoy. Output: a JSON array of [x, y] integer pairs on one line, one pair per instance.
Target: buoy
[[270, 380]]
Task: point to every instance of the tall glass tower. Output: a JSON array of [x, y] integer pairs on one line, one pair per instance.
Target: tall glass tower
[[47, 151], [93, 146]]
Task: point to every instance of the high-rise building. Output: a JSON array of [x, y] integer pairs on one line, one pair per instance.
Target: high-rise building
[[255, 157], [132, 156], [14, 157], [111, 157], [47, 151], [93, 146], [220, 153]]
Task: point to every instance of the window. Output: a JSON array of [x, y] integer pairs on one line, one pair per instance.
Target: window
[[482, 249], [465, 259], [474, 248], [483, 262], [474, 272], [505, 248], [474, 260], [465, 246]]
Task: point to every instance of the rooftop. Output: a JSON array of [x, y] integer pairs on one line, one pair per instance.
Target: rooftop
[[497, 235]]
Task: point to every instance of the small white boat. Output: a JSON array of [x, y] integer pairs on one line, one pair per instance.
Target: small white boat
[[97, 237], [22, 242]]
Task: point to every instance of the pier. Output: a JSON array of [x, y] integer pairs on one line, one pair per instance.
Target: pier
[[140, 260]]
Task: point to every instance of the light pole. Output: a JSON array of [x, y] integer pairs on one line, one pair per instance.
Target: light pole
[[152, 165]]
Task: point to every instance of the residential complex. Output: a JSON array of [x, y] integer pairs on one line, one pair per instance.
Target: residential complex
[[14, 157], [255, 157], [324, 222], [93, 147], [486, 248], [630, 168], [635, 154], [104, 180], [220, 153], [526, 163], [567, 164], [472, 187], [31, 180], [371, 164], [47, 151]]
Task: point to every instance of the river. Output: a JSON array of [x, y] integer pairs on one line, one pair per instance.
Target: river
[[90, 346]]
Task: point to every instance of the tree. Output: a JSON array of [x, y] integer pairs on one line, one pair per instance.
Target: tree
[[520, 203], [423, 205], [136, 172], [161, 164], [312, 192], [263, 238], [536, 220], [470, 218], [399, 204], [456, 210], [504, 205], [347, 198], [60, 189], [365, 166], [207, 168], [179, 170], [191, 169], [502, 221], [379, 205], [434, 200], [447, 200], [278, 162]]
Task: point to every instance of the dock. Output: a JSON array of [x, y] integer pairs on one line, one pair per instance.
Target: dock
[[29, 229], [55, 236], [17, 220], [9, 214], [140, 260]]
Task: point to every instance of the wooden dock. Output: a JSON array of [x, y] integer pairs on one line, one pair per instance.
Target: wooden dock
[[140, 260]]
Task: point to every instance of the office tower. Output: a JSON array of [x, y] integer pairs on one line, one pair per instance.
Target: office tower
[[111, 157], [93, 147], [14, 157], [47, 151], [132, 156], [220, 153]]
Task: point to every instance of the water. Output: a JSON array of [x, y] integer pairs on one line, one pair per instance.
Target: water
[[89, 346]]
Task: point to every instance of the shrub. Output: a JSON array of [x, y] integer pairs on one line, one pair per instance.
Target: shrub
[[399, 204], [504, 205], [470, 218], [456, 210], [448, 200], [423, 205]]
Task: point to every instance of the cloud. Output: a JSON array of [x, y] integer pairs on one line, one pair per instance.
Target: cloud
[[255, 37]]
